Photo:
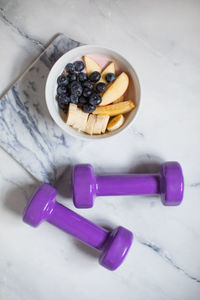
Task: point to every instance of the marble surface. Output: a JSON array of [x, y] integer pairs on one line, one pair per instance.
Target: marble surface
[[162, 40], [24, 113]]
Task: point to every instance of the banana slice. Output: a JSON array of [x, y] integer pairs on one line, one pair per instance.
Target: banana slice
[[98, 125], [105, 120], [115, 123], [90, 124], [72, 114], [76, 117], [81, 120]]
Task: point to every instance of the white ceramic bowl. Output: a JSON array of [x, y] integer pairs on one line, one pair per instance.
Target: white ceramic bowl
[[72, 55]]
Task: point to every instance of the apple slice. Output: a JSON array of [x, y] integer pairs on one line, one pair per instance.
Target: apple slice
[[116, 89], [91, 65], [115, 109], [109, 69], [120, 99]]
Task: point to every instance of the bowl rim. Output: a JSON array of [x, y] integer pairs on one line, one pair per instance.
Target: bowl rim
[[75, 132]]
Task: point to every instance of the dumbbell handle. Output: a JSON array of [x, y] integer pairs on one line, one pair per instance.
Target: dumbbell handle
[[72, 223], [129, 184]]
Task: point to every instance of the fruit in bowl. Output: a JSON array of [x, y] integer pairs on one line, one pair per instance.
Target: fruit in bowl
[[91, 99]]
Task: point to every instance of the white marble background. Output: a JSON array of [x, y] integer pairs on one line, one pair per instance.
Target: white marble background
[[162, 41]]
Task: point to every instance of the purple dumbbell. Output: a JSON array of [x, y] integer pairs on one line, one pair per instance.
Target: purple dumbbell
[[113, 245], [169, 183]]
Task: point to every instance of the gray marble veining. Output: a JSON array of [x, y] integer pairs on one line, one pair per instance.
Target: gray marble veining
[[5, 19], [27, 131], [161, 40]]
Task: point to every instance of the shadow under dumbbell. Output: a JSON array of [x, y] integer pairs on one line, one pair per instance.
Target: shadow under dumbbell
[[63, 184], [87, 250], [147, 167], [17, 198]]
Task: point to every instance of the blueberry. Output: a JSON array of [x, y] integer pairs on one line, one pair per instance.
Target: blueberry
[[100, 87], [63, 106], [78, 66], [74, 99], [95, 99], [62, 98], [88, 85], [72, 77], [63, 80], [82, 76], [76, 83], [76, 88], [110, 77], [61, 90], [63, 101], [82, 100], [68, 90], [70, 68], [88, 108], [95, 76], [87, 92]]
